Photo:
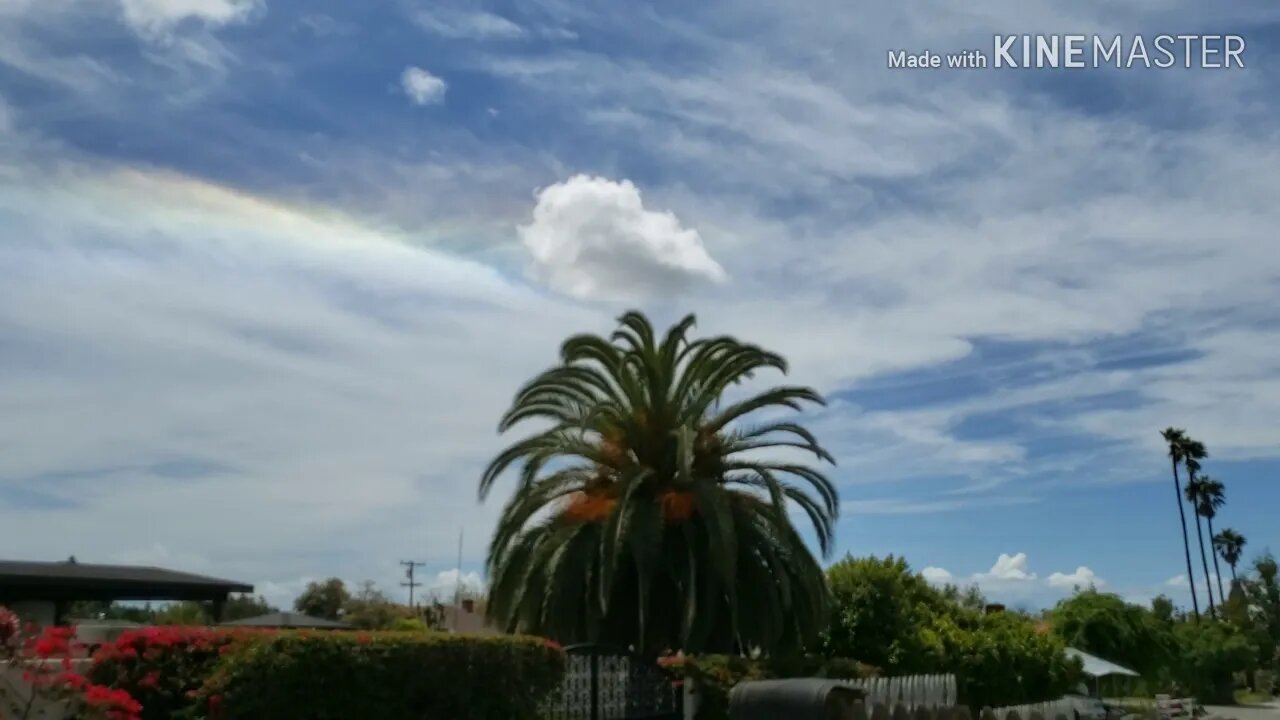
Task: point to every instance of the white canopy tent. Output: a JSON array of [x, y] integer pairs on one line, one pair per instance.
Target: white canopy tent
[[1097, 668]]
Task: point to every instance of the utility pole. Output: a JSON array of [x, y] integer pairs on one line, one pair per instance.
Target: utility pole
[[409, 568], [457, 585]]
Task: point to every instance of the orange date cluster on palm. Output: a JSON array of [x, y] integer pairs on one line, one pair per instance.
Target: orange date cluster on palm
[[596, 506]]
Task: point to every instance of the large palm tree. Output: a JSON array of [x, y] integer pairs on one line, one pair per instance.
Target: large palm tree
[[649, 514], [1177, 440], [1213, 495], [1194, 492], [1230, 545]]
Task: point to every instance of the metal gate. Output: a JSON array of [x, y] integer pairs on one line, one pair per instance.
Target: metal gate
[[605, 683]]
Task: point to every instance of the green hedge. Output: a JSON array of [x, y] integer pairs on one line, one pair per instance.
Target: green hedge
[[715, 675], [389, 676]]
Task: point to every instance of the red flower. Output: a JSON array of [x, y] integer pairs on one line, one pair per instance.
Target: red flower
[[72, 680], [150, 680], [552, 644], [363, 638]]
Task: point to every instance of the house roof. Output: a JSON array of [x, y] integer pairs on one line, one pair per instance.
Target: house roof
[[288, 620], [24, 580]]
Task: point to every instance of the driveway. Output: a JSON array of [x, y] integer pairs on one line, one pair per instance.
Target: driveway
[[1270, 711]]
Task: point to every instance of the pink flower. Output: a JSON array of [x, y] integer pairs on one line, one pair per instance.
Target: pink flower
[[9, 624]]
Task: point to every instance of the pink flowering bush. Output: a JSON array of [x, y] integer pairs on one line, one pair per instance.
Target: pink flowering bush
[[45, 660], [163, 667]]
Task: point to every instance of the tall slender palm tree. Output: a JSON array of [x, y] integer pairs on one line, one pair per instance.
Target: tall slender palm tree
[[1230, 545], [1213, 495], [647, 514], [1177, 439], [1194, 492]]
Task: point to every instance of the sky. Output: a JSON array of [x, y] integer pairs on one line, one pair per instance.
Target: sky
[[272, 269]]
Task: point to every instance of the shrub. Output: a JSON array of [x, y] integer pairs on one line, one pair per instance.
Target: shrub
[[391, 676], [414, 624], [161, 666], [715, 675]]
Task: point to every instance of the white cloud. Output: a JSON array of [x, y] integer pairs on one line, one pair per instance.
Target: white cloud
[[1011, 568], [159, 16], [937, 575], [296, 338], [1083, 577], [467, 25], [422, 87], [445, 584], [593, 238], [1176, 581]]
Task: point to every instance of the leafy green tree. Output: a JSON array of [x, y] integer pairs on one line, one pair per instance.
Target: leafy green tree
[[323, 599], [183, 613], [370, 609], [1000, 659], [1162, 609], [1208, 656], [1177, 440], [645, 514], [1107, 626], [239, 607], [885, 615], [1195, 497], [1230, 545], [1263, 588], [878, 609]]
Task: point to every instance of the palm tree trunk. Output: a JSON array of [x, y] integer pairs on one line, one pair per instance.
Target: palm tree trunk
[[1208, 584], [1233, 574], [1222, 597], [1186, 544]]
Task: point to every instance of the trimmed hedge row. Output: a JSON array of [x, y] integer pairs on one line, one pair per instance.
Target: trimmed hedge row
[[715, 675], [391, 676], [182, 672]]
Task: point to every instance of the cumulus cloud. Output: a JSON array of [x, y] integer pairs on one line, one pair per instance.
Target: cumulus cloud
[[1082, 577], [446, 583], [422, 87], [1008, 568], [936, 575], [592, 237], [159, 16]]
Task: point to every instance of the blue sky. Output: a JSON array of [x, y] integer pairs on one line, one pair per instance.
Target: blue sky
[[273, 268]]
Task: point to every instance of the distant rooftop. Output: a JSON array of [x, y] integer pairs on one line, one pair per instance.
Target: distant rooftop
[[288, 620]]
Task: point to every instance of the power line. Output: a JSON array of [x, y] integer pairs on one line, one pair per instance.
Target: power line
[[410, 566]]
